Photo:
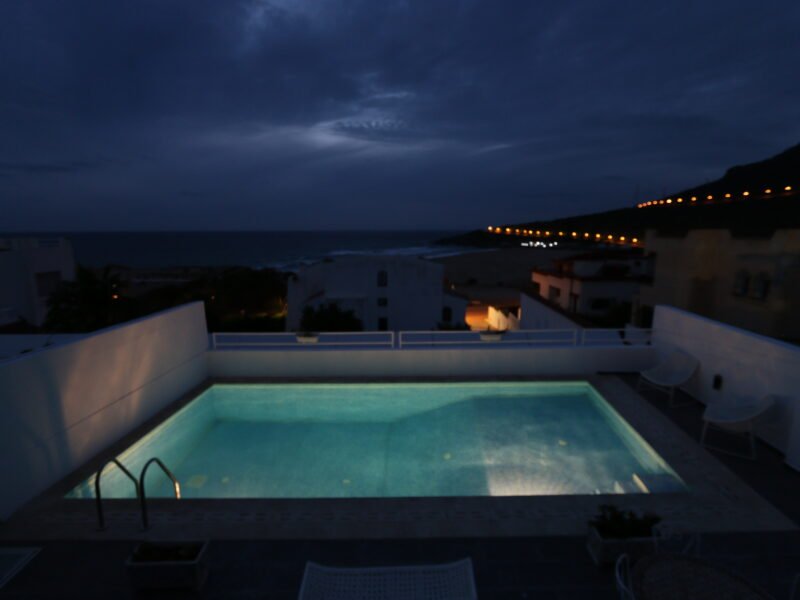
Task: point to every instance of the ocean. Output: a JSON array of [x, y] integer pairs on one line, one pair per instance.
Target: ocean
[[273, 249]]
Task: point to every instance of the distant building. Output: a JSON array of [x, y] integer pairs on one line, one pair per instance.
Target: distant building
[[750, 282], [384, 292], [30, 270], [593, 284]]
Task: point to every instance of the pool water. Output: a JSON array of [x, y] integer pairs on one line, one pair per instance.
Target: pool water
[[393, 440]]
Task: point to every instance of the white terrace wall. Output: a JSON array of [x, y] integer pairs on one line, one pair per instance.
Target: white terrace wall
[[431, 362], [64, 404], [750, 365], [537, 315]]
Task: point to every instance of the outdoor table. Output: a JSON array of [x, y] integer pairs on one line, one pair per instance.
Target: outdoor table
[[669, 577]]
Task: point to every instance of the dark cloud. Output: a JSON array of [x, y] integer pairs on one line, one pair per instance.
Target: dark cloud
[[348, 114]]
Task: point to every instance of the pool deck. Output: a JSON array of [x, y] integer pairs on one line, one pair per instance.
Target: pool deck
[[540, 566], [716, 501]]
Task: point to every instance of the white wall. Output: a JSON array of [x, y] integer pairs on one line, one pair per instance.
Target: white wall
[[498, 318], [62, 405], [750, 365], [470, 362], [21, 259], [537, 315], [414, 292]]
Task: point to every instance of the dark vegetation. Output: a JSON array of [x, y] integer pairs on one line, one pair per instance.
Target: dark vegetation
[[236, 299], [613, 523]]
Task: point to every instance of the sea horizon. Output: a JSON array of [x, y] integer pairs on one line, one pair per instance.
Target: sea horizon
[[277, 249]]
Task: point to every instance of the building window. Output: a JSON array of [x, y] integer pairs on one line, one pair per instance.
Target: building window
[[383, 279], [760, 288], [46, 283], [741, 284], [554, 293], [447, 314], [383, 324], [383, 301]]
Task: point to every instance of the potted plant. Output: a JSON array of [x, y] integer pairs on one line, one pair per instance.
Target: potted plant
[[613, 532], [492, 335], [307, 337], [168, 565]]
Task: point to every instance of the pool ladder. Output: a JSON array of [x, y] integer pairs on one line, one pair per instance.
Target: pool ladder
[[138, 485]]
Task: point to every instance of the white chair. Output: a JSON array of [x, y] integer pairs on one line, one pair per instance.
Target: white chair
[[672, 372], [735, 415], [451, 581], [622, 575]]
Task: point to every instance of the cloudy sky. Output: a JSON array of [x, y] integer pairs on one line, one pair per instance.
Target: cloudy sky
[[352, 114]]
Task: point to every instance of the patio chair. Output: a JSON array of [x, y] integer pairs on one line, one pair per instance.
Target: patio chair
[[622, 576], [451, 581], [735, 415], [672, 372]]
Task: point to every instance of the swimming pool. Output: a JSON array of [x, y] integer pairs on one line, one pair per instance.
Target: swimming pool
[[394, 440]]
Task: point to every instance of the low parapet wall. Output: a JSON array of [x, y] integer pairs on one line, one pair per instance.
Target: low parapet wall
[[431, 362], [749, 364], [63, 404]]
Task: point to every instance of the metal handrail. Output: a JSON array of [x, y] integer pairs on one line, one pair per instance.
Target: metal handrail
[[142, 497], [97, 496], [575, 337], [385, 339]]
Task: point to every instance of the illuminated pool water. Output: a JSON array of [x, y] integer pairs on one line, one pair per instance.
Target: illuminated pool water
[[394, 440]]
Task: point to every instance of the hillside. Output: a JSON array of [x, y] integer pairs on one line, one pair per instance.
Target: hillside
[[756, 214]]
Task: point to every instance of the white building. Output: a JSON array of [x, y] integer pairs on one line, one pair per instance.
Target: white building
[[592, 284], [30, 270], [384, 292]]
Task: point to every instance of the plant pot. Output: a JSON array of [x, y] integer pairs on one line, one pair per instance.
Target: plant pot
[[168, 565], [491, 336], [605, 551], [303, 338]]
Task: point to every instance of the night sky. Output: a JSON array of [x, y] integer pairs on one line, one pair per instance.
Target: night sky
[[317, 114]]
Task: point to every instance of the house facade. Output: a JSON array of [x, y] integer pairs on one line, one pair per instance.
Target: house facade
[[386, 293], [593, 284], [30, 270], [749, 282]]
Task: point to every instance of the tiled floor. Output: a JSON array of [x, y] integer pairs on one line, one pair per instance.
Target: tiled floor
[[768, 474], [540, 568]]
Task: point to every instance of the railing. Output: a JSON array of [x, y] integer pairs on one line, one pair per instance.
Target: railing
[[289, 340], [101, 521], [540, 338], [143, 497], [527, 338]]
